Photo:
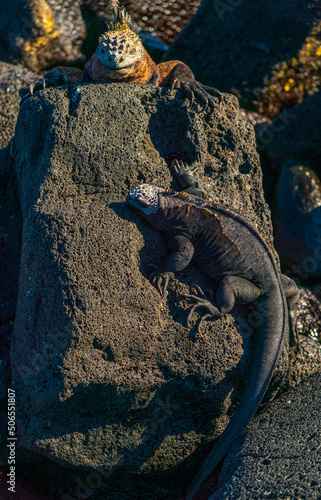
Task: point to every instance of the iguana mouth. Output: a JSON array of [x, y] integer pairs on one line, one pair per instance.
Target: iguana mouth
[[136, 202], [119, 68]]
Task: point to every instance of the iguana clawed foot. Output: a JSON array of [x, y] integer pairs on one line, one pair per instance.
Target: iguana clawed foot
[[54, 78], [27, 92], [192, 88], [202, 300], [160, 279], [184, 175]]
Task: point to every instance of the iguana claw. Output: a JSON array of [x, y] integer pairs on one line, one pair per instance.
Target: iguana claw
[[53, 78], [192, 88], [27, 92], [188, 93], [183, 174], [201, 301], [160, 279]]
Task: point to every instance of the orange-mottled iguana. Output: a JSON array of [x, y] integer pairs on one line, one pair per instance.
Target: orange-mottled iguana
[[121, 57]]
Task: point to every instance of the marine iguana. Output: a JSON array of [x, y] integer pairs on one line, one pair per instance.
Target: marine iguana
[[121, 57], [231, 251]]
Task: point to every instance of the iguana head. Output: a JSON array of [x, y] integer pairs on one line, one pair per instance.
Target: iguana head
[[119, 47], [156, 205], [145, 198]]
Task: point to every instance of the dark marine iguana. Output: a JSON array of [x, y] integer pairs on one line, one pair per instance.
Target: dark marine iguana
[[121, 57], [231, 251]]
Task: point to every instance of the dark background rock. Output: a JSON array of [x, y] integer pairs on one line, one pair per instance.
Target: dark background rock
[[22, 490], [12, 79], [297, 221], [279, 454], [166, 18], [266, 52], [290, 154], [39, 33], [294, 136]]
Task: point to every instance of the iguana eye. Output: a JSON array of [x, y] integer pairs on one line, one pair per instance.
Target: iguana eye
[[132, 51]]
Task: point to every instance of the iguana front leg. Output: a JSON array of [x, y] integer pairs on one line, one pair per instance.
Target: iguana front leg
[[182, 252], [177, 75], [54, 78]]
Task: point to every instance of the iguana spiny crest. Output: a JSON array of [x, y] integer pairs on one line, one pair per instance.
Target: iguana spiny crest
[[122, 19], [119, 47]]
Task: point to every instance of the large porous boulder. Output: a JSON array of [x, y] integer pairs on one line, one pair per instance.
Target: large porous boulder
[[12, 79], [106, 372], [279, 454], [268, 53]]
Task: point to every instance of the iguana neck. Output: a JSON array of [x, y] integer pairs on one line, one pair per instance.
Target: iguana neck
[[173, 211]]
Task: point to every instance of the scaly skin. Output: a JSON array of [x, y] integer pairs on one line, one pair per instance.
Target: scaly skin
[[231, 251], [121, 57]]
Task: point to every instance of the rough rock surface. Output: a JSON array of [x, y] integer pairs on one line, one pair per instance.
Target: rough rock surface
[[309, 313], [279, 454], [106, 373], [267, 51], [12, 79]]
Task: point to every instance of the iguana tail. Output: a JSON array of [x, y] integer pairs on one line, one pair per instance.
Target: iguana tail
[[267, 350]]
